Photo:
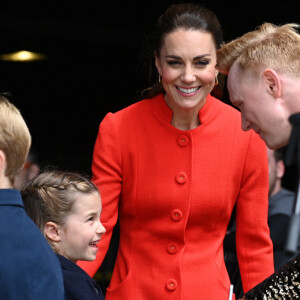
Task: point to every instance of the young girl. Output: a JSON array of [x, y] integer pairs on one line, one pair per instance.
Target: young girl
[[66, 207]]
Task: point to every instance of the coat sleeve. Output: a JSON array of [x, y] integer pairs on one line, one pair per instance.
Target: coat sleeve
[[253, 243], [107, 175]]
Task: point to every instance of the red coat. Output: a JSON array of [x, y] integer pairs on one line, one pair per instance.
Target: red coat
[[174, 191]]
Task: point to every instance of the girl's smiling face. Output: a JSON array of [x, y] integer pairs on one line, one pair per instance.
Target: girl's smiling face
[[187, 63], [83, 230]]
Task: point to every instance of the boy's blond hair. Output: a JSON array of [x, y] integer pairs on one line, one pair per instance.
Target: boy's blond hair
[[15, 138]]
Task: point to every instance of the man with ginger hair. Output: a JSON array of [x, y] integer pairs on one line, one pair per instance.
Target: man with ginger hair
[[263, 68], [29, 268]]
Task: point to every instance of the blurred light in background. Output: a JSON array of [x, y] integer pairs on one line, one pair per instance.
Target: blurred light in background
[[23, 56]]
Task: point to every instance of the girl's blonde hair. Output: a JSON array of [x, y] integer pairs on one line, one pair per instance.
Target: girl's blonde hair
[[51, 195]]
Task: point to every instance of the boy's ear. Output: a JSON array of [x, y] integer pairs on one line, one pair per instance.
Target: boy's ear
[[52, 232], [5, 182], [2, 161]]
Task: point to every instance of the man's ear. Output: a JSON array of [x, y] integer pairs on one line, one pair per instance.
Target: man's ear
[[280, 169], [52, 231], [273, 82]]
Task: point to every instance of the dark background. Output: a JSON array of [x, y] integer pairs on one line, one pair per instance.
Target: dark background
[[94, 64]]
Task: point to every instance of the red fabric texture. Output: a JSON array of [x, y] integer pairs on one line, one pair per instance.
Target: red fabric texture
[[174, 192]]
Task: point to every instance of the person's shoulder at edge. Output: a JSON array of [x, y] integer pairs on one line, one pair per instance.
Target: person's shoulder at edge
[[36, 262], [282, 203]]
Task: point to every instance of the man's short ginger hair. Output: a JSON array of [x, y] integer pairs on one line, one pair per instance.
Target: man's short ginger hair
[[15, 138], [269, 46]]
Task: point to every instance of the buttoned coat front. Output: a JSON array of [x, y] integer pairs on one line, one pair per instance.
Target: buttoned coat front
[[174, 192]]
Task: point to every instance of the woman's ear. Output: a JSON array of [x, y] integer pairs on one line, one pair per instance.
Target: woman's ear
[[157, 64], [52, 231]]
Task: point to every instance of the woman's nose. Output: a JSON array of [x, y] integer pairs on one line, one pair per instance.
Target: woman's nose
[[188, 76]]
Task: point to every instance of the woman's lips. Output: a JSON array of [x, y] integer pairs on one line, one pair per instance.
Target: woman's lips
[[189, 91]]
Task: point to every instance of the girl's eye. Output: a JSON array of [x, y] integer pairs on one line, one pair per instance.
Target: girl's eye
[[91, 219]]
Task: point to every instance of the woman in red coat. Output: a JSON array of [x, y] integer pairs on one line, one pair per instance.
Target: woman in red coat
[[172, 168]]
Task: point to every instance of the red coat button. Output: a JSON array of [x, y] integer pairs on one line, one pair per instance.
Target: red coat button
[[171, 285], [181, 178], [172, 248], [176, 215], [182, 140]]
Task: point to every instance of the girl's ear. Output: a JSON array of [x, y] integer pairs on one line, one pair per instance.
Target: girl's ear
[[52, 231]]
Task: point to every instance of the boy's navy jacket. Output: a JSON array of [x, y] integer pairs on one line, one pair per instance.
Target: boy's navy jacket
[[78, 284], [29, 267]]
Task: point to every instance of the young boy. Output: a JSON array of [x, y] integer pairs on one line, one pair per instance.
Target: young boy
[[29, 267]]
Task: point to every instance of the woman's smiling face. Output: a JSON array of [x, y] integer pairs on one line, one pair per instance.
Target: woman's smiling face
[[187, 63]]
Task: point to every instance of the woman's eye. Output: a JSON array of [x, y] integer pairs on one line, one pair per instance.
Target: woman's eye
[[202, 63], [173, 63]]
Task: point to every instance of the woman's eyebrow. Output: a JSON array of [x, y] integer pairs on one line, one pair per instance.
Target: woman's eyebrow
[[195, 58], [173, 56], [201, 56]]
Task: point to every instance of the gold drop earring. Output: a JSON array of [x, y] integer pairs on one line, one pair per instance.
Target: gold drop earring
[[159, 78], [216, 81]]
